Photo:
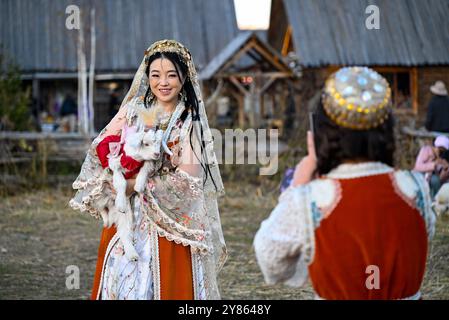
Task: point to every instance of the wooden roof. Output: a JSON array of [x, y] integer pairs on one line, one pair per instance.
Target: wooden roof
[[245, 50], [324, 32], [33, 32]]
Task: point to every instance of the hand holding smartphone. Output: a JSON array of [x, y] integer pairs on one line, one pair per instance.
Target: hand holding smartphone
[[312, 145], [312, 122]]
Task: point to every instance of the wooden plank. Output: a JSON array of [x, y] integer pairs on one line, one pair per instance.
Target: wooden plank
[[236, 57], [13, 135], [267, 84], [413, 32], [125, 29], [238, 85], [287, 40], [252, 74], [415, 89], [270, 58], [422, 133]]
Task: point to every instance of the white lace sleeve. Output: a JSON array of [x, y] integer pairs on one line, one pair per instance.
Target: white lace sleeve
[[93, 185], [284, 242], [413, 188], [424, 203]]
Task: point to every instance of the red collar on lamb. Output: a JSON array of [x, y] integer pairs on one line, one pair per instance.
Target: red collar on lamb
[[113, 144]]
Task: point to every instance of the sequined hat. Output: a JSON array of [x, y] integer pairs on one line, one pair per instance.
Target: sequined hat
[[357, 98]]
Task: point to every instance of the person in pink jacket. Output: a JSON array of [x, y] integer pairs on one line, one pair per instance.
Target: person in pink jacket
[[433, 165]]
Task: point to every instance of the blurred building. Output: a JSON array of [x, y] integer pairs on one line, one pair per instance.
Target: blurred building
[[34, 34], [410, 48]]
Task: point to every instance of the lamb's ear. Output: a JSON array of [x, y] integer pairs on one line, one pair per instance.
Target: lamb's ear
[[135, 140], [127, 131]]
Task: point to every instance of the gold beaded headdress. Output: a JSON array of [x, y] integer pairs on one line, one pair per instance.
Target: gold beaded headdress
[[357, 98], [171, 46]]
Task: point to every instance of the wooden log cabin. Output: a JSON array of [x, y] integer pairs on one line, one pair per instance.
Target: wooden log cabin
[[33, 33], [246, 70], [410, 48]]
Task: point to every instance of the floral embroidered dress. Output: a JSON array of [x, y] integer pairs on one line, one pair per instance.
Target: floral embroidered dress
[[175, 191], [169, 214], [337, 229]]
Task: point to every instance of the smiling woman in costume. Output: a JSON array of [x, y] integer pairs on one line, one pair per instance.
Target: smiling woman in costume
[[176, 228]]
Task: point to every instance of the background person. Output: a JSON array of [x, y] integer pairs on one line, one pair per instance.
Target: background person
[[348, 214]]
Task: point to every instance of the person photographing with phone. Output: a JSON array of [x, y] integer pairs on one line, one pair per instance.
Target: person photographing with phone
[[308, 161], [350, 222]]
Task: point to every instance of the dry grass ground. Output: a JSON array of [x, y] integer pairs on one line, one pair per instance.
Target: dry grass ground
[[40, 236]]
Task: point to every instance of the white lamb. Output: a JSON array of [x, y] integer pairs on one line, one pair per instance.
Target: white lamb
[[141, 146]]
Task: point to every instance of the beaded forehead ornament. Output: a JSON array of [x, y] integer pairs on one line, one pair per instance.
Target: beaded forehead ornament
[[357, 98], [163, 46]]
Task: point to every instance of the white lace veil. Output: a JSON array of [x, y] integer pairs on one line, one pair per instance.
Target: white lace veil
[[213, 186]]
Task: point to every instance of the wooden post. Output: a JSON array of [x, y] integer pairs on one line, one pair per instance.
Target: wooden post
[[83, 122], [247, 107], [91, 128], [414, 86], [258, 81], [37, 99], [241, 112]]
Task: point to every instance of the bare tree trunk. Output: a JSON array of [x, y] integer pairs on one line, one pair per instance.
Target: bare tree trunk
[[92, 70], [83, 123]]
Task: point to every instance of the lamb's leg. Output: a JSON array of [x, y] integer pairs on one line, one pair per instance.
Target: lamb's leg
[[104, 206], [142, 177], [124, 231], [109, 214], [119, 183], [105, 216]]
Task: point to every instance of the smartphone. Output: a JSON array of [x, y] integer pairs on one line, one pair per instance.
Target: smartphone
[[313, 127], [312, 122]]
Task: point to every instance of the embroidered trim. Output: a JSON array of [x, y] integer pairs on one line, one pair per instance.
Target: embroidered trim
[[317, 215], [192, 180], [92, 196], [197, 233], [186, 125], [83, 208], [358, 170], [400, 193], [424, 203], [111, 243], [320, 205], [309, 246], [194, 275], [156, 264], [201, 247], [338, 195]]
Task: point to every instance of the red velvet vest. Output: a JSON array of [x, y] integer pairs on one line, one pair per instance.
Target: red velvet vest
[[370, 226]]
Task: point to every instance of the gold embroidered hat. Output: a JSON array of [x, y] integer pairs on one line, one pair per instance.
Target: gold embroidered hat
[[357, 98]]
